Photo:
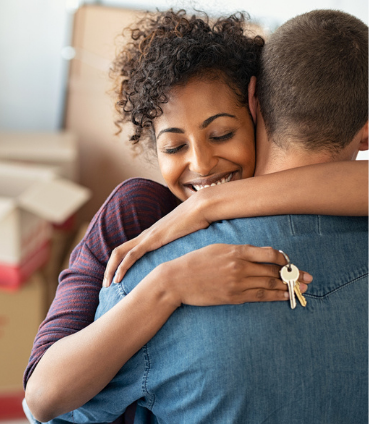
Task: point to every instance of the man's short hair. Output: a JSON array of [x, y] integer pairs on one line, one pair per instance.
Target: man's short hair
[[313, 84]]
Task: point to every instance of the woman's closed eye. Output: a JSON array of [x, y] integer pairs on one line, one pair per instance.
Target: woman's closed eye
[[223, 137], [172, 150], [212, 137]]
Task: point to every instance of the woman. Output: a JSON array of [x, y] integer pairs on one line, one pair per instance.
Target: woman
[[174, 68]]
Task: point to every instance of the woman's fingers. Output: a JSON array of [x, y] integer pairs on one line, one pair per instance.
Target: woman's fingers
[[261, 254], [125, 255], [130, 258], [116, 258], [305, 278], [112, 265], [263, 270], [272, 256], [260, 295], [262, 283]]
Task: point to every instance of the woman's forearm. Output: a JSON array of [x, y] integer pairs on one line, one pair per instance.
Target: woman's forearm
[[79, 366], [337, 188]]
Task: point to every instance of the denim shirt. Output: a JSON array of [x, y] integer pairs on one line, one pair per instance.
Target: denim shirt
[[256, 362]]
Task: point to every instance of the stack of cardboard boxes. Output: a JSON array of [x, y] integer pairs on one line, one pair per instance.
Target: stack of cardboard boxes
[[38, 200], [38, 194]]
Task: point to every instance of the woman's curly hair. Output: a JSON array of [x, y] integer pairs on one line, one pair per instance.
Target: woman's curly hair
[[167, 49]]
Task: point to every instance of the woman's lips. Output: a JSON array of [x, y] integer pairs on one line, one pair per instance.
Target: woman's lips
[[222, 180]]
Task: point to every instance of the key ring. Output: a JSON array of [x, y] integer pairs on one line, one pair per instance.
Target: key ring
[[287, 259]]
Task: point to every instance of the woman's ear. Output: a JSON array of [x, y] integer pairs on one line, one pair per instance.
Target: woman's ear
[[253, 102], [364, 138]]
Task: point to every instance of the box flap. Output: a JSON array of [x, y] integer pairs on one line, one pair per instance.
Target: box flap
[[54, 200], [6, 206], [30, 172], [55, 147]]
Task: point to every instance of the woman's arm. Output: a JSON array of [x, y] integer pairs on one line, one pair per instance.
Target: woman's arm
[[336, 188], [78, 367], [133, 206]]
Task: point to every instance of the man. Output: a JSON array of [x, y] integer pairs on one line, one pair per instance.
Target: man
[[266, 363]]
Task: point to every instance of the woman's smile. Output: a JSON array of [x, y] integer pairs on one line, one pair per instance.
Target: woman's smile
[[209, 182]]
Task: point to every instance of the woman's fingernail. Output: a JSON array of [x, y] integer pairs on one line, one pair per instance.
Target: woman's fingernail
[[286, 295], [105, 282], [307, 277], [303, 287]]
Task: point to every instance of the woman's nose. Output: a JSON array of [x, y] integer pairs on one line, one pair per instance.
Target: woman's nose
[[202, 159]]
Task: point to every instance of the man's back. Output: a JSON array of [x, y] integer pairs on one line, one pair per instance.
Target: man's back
[[262, 362]]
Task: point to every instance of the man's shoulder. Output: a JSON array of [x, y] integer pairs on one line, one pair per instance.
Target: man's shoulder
[[296, 224]]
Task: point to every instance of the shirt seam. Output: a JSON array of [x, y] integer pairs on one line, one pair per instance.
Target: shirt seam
[[122, 291], [313, 296], [149, 396]]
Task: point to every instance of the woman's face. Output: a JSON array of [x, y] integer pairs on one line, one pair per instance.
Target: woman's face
[[204, 137]]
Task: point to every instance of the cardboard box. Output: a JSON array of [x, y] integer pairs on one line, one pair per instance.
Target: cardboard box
[[58, 150], [31, 197], [21, 313], [105, 159]]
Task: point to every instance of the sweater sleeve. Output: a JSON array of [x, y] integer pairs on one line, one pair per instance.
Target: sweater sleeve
[[133, 206]]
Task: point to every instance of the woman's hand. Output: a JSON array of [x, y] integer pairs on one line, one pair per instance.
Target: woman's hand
[[221, 274], [186, 218]]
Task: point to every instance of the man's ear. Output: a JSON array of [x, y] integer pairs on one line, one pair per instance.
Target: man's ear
[[364, 138], [253, 102]]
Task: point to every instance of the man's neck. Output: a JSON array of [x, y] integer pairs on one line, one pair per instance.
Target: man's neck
[[272, 158], [276, 159]]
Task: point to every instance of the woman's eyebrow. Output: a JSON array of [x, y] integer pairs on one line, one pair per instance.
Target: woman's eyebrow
[[211, 119], [207, 122], [171, 130]]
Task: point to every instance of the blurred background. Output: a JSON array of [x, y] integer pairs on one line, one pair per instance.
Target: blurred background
[[57, 131]]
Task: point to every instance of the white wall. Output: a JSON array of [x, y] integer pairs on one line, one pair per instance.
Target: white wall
[[32, 33]]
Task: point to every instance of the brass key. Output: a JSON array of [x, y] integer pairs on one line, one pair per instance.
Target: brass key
[[299, 295]]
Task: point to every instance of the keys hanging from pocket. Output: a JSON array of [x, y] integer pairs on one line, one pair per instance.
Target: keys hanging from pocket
[[289, 275]]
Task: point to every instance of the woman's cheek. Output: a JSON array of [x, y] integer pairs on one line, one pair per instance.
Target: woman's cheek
[[169, 170], [246, 157]]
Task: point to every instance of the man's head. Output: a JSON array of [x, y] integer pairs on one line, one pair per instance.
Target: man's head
[[313, 85]]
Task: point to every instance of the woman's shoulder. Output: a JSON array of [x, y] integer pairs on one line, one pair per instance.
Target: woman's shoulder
[[140, 190], [141, 186], [133, 200]]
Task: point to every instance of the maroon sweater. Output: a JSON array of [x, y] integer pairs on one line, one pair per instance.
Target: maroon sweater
[[133, 206]]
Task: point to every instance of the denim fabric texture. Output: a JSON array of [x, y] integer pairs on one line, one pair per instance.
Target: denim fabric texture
[[256, 363]]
